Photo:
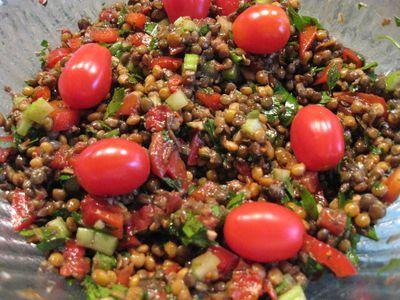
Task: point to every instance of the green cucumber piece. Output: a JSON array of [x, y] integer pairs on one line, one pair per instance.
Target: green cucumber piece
[[38, 110], [95, 240], [23, 125], [205, 264], [59, 225], [295, 293]]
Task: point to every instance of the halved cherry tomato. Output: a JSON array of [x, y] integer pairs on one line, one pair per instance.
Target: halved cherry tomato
[[322, 77], [209, 99], [22, 210], [74, 43], [63, 117], [351, 56], [196, 9], [103, 35], [130, 105], [156, 118], [75, 262], [170, 63], [56, 55], [364, 97], [41, 92], [136, 19], [393, 184], [124, 274], [333, 219], [329, 257], [6, 147], [61, 158], [195, 144], [246, 283], [142, 219], [280, 228], [86, 79], [174, 83], [139, 38], [94, 210], [228, 260], [317, 138], [112, 166], [160, 152], [268, 23], [306, 38], [227, 6], [177, 169]]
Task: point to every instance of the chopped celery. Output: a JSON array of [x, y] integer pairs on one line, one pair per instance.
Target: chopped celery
[[392, 81], [185, 24], [38, 110], [204, 264], [58, 224], [177, 100], [23, 125], [295, 293], [280, 174], [231, 74], [18, 99], [96, 240], [190, 62], [104, 262]]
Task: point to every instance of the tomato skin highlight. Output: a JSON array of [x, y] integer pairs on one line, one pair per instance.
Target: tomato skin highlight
[[263, 232], [86, 79], [269, 23], [227, 6], [393, 184], [196, 9], [112, 166], [317, 138]]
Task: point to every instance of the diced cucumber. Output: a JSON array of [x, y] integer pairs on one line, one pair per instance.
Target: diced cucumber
[[190, 62], [280, 174], [392, 81], [96, 240], [23, 125], [204, 264], [185, 24], [38, 110], [58, 224], [104, 262], [252, 125], [177, 100], [295, 293]]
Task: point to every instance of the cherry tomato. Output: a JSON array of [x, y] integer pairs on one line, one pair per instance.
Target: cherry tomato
[[263, 231], [112, 166], [56, 55], [261, 29], [316, 137], [86, 79], [196, 9], [393, 184], [136, 19], [228, 260], [170, 63], [306, 38], [227, 6], [363, 97], [41, 92], [174, 83], [124, 274], [63, 117]]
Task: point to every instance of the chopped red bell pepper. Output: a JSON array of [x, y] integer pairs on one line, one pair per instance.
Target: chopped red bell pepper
[[310, 181], [328, 256], [228, 260], [195, 144], [63, 117], [130, 105], [139, 38], [56, 55], [41, 92], [61, 158], [174, 202], [174, 83], [129, 242], [209, 189], [245, 283], [177, 169], [142, 219], [333, 219], [364, 97], [306, 38], [167, 62], [74, 43], [157, 117], [103, 35], [94, 210], [136, 19], [352, 56], [124, 274], [160, 152], [22, 211], [209, 99], [322, 77], [75, 263]]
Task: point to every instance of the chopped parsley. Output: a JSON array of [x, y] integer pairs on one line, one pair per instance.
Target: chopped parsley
[[209, 126], [300, 22], [333, 76], [309, 204], [325, 98], [115, 103], [173, 184], [42, 54], [235, 200]]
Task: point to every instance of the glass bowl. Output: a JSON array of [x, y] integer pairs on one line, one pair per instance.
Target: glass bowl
[[25, 23]]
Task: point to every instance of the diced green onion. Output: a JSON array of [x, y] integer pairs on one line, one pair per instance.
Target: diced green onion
[[177, 100], [59, 225], [95, 240], [38, 110], [185, 24], [190, 62], [295, 293], [281, 174], [392, 81], [204, 264]]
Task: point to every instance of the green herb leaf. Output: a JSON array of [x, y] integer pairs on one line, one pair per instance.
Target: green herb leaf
[[173, 184], [272, 114], [42, 54], [65, 177], [204, 30], [352, 256], [394, 263], [342, 199], [311, 267], [289, 187], [389, 38], [235, 200], [165, 135], [333, 76], [397, 21], [151, 28], [325, 98], [153, 44], [77, 216], [49, 245], [191, 189], [291, 105], [112, 133], [115, 103], [371, 234], [104, 262], [94, 291], [315, 70], [216, 210], [300, 22], [194, 232], [376, 150], [209, 126], [61, 212], [309, 204], [121, 17], [369, 66], [236, 58]]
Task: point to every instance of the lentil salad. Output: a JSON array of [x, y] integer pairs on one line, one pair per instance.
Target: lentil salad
[[215, 143]]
